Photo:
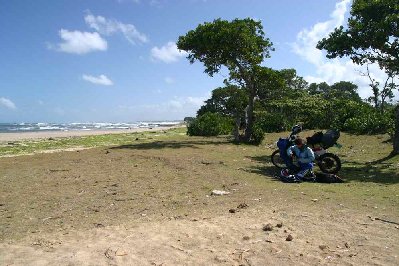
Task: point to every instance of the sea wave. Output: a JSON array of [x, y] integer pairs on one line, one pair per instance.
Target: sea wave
[[76, 126]]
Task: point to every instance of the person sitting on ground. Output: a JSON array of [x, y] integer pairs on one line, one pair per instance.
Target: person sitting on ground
[[305, 157]]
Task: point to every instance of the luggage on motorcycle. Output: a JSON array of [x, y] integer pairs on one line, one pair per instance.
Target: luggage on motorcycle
[[330, 138], [328, 178], [282, 144], [315, 139]]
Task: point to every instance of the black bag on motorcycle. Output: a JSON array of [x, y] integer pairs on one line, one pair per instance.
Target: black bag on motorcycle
[[330, 138]]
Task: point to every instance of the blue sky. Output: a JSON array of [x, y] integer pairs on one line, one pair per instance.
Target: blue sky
[[116, 60]]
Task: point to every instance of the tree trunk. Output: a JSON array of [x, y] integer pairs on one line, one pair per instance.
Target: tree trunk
[[237, 128], [250, 116], [396, 136]]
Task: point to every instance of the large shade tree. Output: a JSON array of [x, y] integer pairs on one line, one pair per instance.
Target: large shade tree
[[372, 36], [239, 45]]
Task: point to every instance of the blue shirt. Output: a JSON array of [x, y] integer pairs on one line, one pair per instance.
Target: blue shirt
[[304, 155]]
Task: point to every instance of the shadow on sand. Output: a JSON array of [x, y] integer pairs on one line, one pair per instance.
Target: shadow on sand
[[380, 171], [173, 144]]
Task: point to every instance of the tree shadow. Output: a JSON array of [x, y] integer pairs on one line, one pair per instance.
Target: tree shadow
[[172, 144], [379, 171], [382, 160], [267, 169]]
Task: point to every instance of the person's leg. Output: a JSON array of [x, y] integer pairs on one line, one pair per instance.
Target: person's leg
[[305, 170]]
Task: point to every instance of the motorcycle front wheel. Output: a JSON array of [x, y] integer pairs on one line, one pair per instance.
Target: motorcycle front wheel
[[277, 160], [329, 163]]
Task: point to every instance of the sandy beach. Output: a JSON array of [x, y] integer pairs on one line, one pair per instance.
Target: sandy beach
[[5, 137]]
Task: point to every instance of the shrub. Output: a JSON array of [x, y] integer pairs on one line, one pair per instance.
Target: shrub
[[272, 122], [370, 123], [210, 124], [257, 134]]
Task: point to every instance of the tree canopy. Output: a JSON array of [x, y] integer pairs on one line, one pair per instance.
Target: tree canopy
[[371, 36], [238, 45]]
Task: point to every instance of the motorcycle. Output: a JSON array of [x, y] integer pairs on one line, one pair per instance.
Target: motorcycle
[[327, 162]]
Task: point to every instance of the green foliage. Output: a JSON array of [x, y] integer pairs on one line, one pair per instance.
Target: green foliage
[[292, 80], [188, 119], [273, 122], [314, 111], [371, 37], [210, 124], [269, 84], [238, 45], [257, 135], [229, 101], [371, 122]]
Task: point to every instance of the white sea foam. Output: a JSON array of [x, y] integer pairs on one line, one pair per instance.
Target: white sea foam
[[76, 126]]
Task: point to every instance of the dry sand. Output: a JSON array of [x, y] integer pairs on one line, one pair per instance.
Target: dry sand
[[4, 137]]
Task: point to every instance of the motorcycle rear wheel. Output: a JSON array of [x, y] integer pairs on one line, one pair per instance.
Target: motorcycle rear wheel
[[329, 163], [277, 160]]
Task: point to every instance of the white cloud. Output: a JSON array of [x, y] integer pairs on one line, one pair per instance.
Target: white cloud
[[77, 42], [7, 103], [110, 26], [169, 80], [332, 70], [167, 53], [100, 80]]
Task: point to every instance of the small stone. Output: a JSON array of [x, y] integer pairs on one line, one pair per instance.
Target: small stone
[[323, 247], [314, 200], [289, 238], [137, 138], [279, 225], [246, 238], [242, 206], [232, 211], [267, 227], [347, 245], [120, 253]]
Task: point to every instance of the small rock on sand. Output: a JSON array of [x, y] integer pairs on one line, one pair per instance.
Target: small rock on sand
[[279, 225], [242, 206], [232, 211], [323, 247], [289, 238], [267, 227]]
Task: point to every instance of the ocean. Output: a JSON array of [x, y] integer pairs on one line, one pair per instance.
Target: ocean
[[36, 127]]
